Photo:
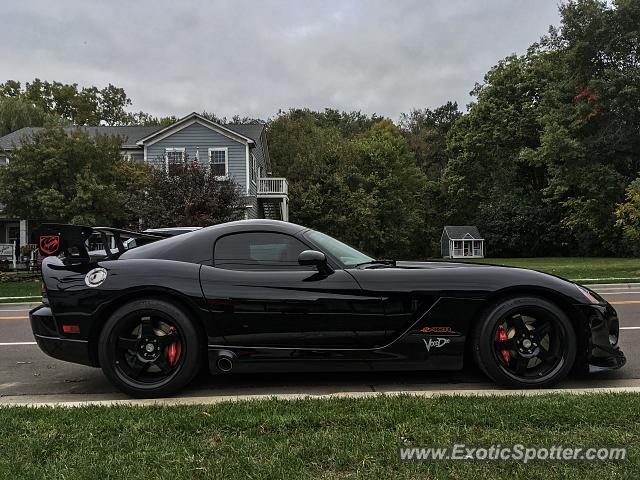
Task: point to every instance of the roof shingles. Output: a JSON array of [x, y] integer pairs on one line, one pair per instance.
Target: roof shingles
[[132, 134], [458, 232]]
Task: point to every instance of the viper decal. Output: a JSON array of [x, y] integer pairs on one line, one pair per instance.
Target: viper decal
[[49, 244]]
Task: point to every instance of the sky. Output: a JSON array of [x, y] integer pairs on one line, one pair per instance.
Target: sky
[[256, 57]]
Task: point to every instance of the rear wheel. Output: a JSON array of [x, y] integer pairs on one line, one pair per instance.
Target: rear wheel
[[524, 342], [149, 348]]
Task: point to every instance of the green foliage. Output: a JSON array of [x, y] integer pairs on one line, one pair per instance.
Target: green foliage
[[142, 118], [69, 103], [190, 195], [82, 106], [426, 131], [628, 217], [556, 128], [70, 177], [353, 178], [16, 113], [540, 162]]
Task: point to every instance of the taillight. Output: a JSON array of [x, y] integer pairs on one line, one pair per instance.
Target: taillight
[[43, 290]]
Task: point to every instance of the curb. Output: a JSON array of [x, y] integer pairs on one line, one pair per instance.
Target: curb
[[27, 297], [64, 401], [619, 280], [9, 304], [613, 286]]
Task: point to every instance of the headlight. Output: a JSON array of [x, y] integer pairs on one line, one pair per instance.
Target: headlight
[[592, 297]]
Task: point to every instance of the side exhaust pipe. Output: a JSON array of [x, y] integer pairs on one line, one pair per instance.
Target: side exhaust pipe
[[224, 364], [225, 360]]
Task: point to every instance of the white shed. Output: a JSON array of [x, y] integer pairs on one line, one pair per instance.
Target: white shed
[[461, 241]]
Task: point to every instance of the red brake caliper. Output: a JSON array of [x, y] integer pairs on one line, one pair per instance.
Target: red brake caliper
[[174, 350], [501, 334]]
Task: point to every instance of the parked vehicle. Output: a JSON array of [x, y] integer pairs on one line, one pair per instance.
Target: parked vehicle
[[270, 296]]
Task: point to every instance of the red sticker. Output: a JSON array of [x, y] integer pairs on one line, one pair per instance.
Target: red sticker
[[49, 244]]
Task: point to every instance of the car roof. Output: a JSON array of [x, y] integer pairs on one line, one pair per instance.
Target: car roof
[[197, 246]]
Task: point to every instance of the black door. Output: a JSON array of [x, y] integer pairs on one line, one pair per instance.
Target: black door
[[260, 296]]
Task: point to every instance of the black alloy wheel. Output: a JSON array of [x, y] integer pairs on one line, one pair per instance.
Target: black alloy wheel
[[149, 348], [525, 342]]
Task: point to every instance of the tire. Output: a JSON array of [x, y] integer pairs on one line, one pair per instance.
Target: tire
[[509, 333], [149, 348]]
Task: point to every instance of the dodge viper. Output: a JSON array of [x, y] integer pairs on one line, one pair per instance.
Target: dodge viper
[[270, 296]]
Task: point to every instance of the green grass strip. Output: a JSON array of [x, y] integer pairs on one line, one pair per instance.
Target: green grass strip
[[327, 438], [31, 288], [605, 269]]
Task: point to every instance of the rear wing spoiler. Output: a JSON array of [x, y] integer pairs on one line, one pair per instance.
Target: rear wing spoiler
[[71, 241]]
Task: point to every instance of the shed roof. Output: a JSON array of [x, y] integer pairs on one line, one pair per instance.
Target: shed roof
[[460, 232]]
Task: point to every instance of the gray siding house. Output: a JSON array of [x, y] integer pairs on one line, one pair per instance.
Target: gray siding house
[[236, 151]]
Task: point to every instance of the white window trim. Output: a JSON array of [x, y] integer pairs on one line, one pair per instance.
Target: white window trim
[[254, 170], [171, 150], [226, 161]]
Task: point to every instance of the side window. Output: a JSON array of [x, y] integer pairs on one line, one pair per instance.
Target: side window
[[258, 251]]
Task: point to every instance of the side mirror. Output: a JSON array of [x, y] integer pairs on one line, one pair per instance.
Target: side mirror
[[317, 259]]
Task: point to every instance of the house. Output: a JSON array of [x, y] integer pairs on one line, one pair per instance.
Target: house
[[236, 151], [461, 241]]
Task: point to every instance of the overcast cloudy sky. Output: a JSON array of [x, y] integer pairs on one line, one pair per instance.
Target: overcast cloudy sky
[[254, 57]]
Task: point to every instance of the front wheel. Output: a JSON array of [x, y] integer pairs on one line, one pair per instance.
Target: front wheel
[[524, 342], [149, 348]]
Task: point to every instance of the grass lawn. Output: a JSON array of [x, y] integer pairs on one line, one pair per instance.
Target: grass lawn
[[328, 438], [576, 268], [20, 289]]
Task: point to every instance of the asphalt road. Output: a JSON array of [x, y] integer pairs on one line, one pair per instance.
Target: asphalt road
[[26, 371]]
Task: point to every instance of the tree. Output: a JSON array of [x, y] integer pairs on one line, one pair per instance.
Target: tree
[[363, 188], [628, 217], [379, 205], [142, 118], [188, 195], [235, 119], [69, 177], [426, 131], [16, 113], [556, 132], [80, 106]]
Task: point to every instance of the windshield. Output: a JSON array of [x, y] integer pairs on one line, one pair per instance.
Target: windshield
[[349, 256]]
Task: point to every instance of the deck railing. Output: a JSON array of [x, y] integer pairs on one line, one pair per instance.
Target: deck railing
[[273, 186]]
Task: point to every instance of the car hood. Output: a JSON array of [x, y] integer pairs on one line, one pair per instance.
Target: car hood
[[431, 265], [455, 279]]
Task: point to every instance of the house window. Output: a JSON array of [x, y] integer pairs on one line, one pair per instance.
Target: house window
[[218, 161], [253, 169], [13, 233], [174, 159]]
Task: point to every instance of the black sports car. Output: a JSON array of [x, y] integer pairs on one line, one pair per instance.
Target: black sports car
[[269, 296]]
